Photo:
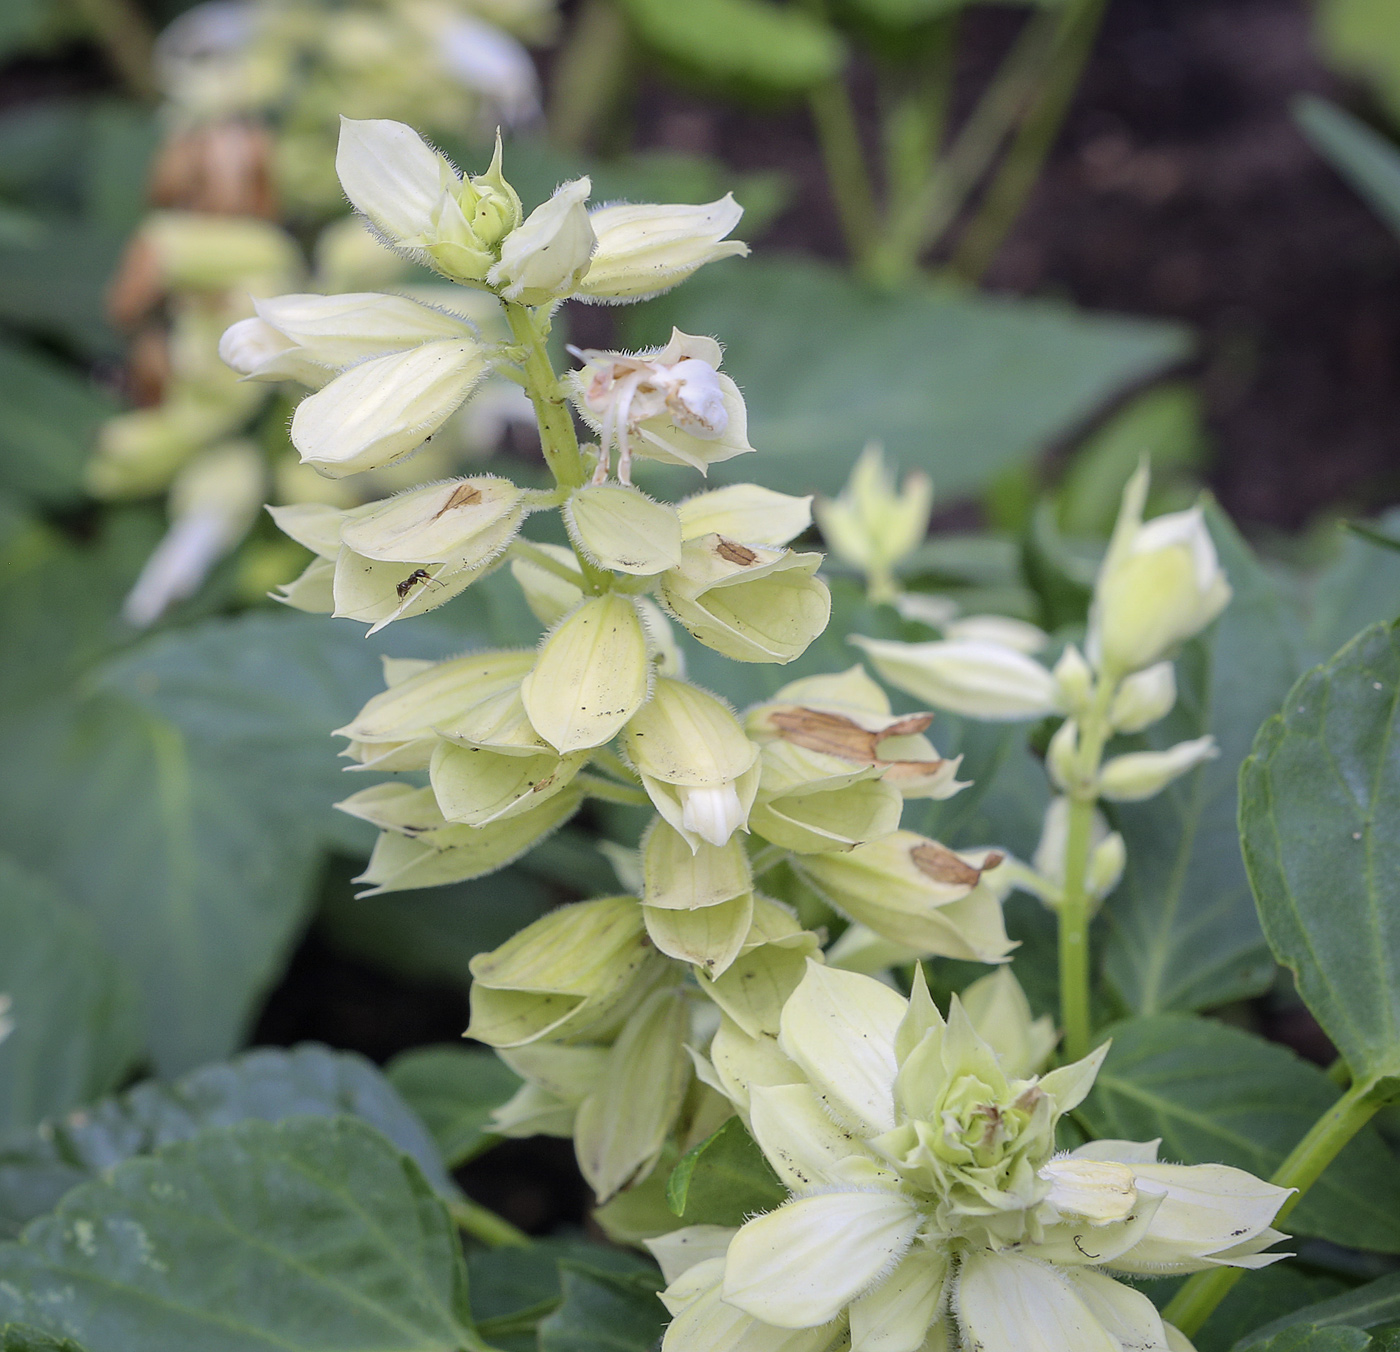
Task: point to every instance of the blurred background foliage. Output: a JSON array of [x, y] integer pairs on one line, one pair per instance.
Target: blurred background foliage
[[963, 251]]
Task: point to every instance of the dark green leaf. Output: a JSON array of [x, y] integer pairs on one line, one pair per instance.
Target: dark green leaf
[[744, 42], [69, 1025], [1317, 1340], [515, 1288], [310, 1234], [1366, 1307], [1184, 934], [454, 1091], [604, 1312], [1216, 1094], [723, 1180], [959, 384], [1365, 158], [1258, 1298], [56, 285], [1320, 799], [51, 416], [19, 1338], [36, 1171]]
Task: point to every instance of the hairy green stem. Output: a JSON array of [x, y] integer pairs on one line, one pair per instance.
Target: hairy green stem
[[523, 549], [482, 1223], [1194, 1303], [558, 440], [1020, 170], [590, 75], [597, 787], [1074, 931]]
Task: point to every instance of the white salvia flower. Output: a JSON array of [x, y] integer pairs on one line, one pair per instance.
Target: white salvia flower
[[645, 250], [1160, 584], [1001, 629], [928, 1209], [383, 409], [1144, 774], [966, 676], [213, 503], [671, 404], [310, 337], [543, 258]]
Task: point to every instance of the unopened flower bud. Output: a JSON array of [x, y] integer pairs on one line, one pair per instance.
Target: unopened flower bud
[[1062, 758], [873, 525], [574, 975], [916, 892], [1143, 774], [1144, 697], [1074, 679], [379, 411], [420, 204], [695, 762], [751, 604], [645, 250], [1160, 584], [1001, 1014], [543, 258], [591, 676], [975, 679], [746, 513], [671, 404], [1106, 864], [619, 527], [1107, 856]]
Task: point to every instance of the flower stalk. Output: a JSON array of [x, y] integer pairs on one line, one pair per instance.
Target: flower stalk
[[1327, 1137]]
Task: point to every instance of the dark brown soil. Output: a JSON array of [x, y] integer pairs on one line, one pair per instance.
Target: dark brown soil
[[1181, 188]]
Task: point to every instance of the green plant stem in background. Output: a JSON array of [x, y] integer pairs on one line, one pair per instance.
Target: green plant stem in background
[[590, 75], [1194, 1303], [523, 549], [1073, 916], [1006, 198], [915, 122], [482, 1223], [930, 213], [125, 35], [846, 171]]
